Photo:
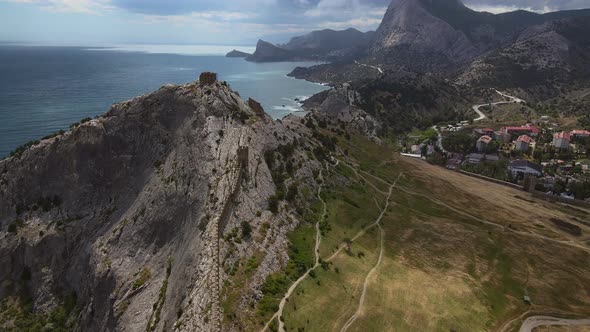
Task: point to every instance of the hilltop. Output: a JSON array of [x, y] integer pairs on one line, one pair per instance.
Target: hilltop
[[120, 221]]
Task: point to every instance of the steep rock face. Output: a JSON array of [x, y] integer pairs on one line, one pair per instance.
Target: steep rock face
[[124, 211], [267, 52], [340, 104], [442, 35], [409, 29]]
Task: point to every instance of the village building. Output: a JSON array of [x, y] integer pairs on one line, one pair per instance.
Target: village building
[[483, 131], [416, 149], [502, 137], [525, 167], [478, 158], [527, 129], [561, 140], [524, 143], [580, 133], [482, 143]]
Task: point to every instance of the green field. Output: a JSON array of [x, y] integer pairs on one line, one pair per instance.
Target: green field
[[459, 254]]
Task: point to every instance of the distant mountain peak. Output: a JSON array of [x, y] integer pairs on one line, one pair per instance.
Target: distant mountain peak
[[316, 45], [420, 34]]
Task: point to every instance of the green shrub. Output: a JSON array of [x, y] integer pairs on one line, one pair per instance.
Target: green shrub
[[292, 192], [273, 204], [143, 276], [246, 229]]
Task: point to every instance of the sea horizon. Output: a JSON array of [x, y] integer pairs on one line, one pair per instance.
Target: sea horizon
[[149, 48], [44, 89]]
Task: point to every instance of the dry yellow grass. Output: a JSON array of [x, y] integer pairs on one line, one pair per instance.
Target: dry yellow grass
[[402, 298], [460, 254]]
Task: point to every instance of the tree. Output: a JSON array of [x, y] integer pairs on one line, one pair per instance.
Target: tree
[[273, 204], [246, 229], [424, 150]]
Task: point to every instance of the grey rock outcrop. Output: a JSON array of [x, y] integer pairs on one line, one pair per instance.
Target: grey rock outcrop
[[409, 27], [130, 211]]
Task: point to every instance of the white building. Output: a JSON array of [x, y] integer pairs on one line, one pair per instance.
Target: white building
[[562, 140]]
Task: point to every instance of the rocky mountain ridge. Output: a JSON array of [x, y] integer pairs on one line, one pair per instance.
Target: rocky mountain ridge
[[542, 61], [317, 45], [133, 220], [537, 54], [414, 32]]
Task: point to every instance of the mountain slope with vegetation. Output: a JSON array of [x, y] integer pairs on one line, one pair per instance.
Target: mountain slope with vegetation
[[120, 222]]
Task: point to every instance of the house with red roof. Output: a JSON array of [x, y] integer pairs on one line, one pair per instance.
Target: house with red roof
[[580, 133], [483, 142], [524, 143], [562, 140], [484, 131]]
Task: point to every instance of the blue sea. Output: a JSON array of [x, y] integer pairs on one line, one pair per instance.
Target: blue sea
[[44, 89]]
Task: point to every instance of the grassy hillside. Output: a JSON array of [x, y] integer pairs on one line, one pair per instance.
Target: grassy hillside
[[459, 254]]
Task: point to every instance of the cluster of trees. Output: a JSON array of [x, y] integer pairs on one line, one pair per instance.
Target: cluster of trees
[[410, 102], [581, 189], [497, 170], [459, 142]]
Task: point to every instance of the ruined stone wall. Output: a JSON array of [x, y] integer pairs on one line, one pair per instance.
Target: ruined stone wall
[[208, 78]]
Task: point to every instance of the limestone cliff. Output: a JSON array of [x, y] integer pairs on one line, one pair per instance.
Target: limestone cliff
[[132, 220]]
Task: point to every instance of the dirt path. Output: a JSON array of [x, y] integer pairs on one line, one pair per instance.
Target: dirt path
[[354, 317], [318, 241], [493, 224], [360, 177], [536, 321], [291, 289]]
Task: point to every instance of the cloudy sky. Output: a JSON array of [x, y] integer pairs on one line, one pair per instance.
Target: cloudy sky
[[228, 22]]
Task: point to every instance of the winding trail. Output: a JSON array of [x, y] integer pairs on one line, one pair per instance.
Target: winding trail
[[291, 289], [482, 116], [374, 67], [354, 317], [536, 321], [318, 241]]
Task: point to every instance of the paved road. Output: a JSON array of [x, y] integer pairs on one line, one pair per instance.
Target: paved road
[[374, 67], [535, 321], [512, 98], [482, 116]]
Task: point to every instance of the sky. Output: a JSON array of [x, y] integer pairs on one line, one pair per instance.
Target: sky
[[213, 22]]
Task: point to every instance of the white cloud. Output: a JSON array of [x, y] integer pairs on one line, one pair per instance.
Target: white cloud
[[498, 9], [198, 17], [359, 23], [70, 6], [342, 14]]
